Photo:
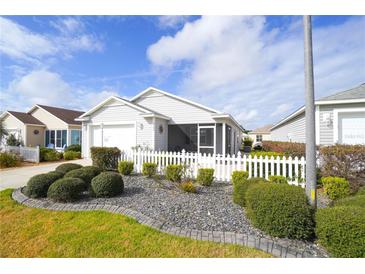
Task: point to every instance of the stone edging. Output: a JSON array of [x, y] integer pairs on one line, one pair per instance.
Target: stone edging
[[261, 243]]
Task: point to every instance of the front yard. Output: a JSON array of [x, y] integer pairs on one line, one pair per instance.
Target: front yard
[[29, 232]]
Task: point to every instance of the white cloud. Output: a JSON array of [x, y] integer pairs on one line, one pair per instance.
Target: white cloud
[[172, 21], [239, 62], [68, 25]]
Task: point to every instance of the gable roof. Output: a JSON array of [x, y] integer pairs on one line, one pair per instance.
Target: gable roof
[[353, 93], [264, 129], [66, 115], [24, 117]]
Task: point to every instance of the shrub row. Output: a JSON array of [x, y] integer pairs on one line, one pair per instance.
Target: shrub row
[[285, 148]]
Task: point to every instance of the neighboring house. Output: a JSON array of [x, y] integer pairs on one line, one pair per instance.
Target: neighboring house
[[44, 126], [340, 118], [260, 134], [158, 120]]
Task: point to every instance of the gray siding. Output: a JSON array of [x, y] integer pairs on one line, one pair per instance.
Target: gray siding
[[294, 127]]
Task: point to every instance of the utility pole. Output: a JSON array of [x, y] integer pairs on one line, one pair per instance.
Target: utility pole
[[310, 135]]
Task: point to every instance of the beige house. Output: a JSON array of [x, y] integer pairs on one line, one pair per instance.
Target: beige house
[[44, 126], [260, 134]]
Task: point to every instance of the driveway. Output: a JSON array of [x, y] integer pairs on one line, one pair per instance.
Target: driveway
[[17, 177]]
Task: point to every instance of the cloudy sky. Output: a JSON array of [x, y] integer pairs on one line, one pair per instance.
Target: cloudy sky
[[251, 67]]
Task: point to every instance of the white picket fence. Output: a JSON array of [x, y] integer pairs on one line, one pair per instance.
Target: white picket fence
[[291, 168], [29, 154]]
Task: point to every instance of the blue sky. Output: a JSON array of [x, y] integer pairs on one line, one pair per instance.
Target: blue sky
[[249, 66]]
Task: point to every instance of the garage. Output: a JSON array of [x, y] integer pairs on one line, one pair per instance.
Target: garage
[[122, 136], [351, 128]]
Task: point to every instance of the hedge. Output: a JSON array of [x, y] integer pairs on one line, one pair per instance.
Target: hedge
[[107, 184], [66, 190], [125, 167], [277, 179], [205, 176], [71, 155], [106, 158], [37, 186], [174, 172], [149, 169], [286, 148], [280, 210], [335, 187], [357, 200], [341, 230], [64, 168], [240, 187]]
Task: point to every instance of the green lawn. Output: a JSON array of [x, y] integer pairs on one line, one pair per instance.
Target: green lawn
[[29, 232]]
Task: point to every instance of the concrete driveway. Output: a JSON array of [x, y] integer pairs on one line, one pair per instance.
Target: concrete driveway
[[17, 177]]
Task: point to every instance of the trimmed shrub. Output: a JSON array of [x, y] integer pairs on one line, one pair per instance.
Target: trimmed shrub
[[75, 147], [42, 153], [149, 169], [280, 210], [335, 187], [106, 158], [205, 176], [38, 185], [66, 189], [277, 179], [357, 200], [125, 167], [239, 175], [81, 173], [174, 172], [286, 148], [188, 186], [52, 155], [341, 230], [95, 171], [361, 191], [64, 168], [240, 187], [8, 159], [107, 184], [71, 155]]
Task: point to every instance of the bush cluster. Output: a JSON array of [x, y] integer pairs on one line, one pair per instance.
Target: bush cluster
[[188, 186], [240, 186], [8, 159], [71, 155], [75, 147], [174, 172], [85, 174], [105, 158], [107, 184], [149, 169], [341, 230], [335, 187], [280, 210], [205, 176], [125, 167], [38, 185], [49, 154], [286, 148], [277, 179], [64, 168], [66, 189]]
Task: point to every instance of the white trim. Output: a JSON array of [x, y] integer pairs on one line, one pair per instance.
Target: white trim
[[335, 102], [317, 123], [172, 96], [228, 116], [112, 123], [153, 115], [335, 119], [224, 139]]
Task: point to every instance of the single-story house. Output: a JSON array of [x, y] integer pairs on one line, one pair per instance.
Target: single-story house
[[44, 126], [158, 120], [260, 134], [340, 118]]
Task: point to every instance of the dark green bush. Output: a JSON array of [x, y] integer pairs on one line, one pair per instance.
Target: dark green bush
[[66, 190], [38, 185], [8, 159], [341, 230], [105, 158], [42, 152], [205, 176], [81, 173], [278, 179], [64, 168], [335, 187], [52, 155], [92, 170], [280, 210], [188, 186], [174, 172], [107, 184], [241, 185], [357, 200], [125, 167], [149, 169], [71, 155], [75, 147]]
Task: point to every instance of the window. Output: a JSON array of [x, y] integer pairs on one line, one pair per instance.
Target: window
[[258, 138], [58, 138], [206, 137], [75, 137], [47, 138], [52, 137]]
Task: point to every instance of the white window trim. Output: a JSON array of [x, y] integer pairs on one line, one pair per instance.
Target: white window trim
[[60, 129], [336, 112]]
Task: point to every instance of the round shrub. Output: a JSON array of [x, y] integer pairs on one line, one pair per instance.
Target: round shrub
[[357, 200], [240, 187], [188, 187], [38, 185], [335, 187], [107, 184], [205, 176], [341, 230], [66, 190], [64, 168], [149, 169], [71, 155], [277, 179], [280, 210], [174, 172], [239, 175], [81, 174], [94, 170], [125, 167]]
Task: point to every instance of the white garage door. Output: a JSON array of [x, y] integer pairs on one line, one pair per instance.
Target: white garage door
[[121, 136], [351, 128]]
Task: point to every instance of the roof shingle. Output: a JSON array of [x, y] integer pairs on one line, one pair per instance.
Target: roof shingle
[[354, 93], [26, 118], [66, 115]]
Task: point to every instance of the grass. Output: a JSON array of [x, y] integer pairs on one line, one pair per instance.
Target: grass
[[30, 232]]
